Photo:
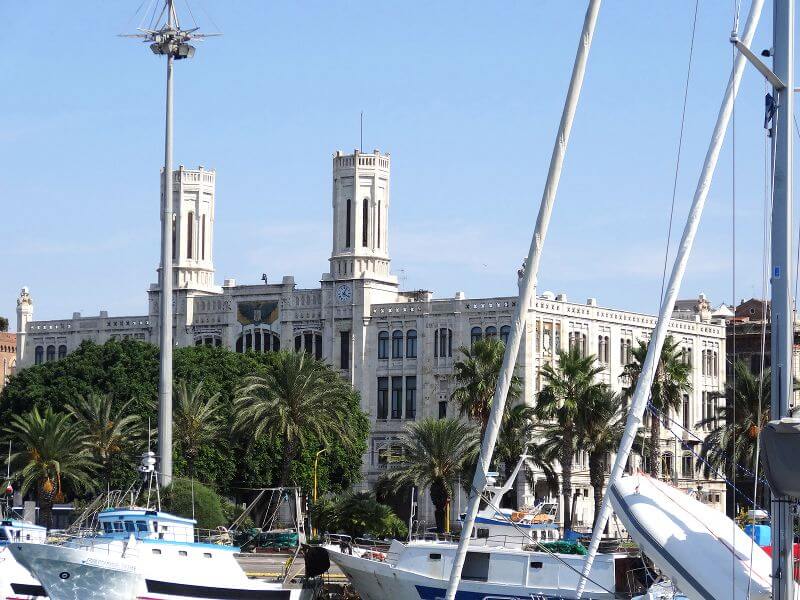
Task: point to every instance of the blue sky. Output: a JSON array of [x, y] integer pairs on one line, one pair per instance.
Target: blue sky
[[466, 96]]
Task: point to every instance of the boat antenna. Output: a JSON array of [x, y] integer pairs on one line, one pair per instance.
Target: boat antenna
[[527, 288], [643, 385]]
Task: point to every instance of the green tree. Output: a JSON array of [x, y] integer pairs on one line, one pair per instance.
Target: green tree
[[54, 459], [299, 402], [357, 514], [432, 454], [516, 435], [3, 324], [567, 386], [671, 381], [193, 500], [476, 375], [601, 423], [748, 400], [128, 370], [196, 420], [110, 432]]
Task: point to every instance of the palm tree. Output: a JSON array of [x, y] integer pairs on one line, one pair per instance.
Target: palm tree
[[749, 401], [477, 376], [671, 381], [601, 423], [56, 456], [109, 432], [433, 454], [516, 435], [197, 421], [567, 386], [299, 401]]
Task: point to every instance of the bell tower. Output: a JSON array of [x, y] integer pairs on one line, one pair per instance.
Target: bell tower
[[360, 216], [194, 193]]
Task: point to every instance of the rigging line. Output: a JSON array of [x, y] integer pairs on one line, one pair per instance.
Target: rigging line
[[769, 198], [797, 260], [680, 148], [133, 16], [191, 14], [210, 18], [725, 455], [655, 414]]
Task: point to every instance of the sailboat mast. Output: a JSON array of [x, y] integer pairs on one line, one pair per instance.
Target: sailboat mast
[[782, 317], [645, 381], [527, 288]]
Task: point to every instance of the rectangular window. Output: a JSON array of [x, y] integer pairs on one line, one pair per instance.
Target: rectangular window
[[383, 397], [686, 416], [347, 226], [189, 234], [442, 409], [344, 350], [383, 344], [411, 397], [397, 397], [203, 239], [308, 343]]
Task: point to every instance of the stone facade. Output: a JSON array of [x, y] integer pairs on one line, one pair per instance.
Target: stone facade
[[8, 356], [396, 347]]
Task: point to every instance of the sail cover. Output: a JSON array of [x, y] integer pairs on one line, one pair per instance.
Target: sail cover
[[699, 548]]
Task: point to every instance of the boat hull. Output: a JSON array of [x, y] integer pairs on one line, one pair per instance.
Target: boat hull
[[15, 581], [79, 574], [375, 580]]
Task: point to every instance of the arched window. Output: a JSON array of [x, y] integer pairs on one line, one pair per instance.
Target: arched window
[[189, 234], [39, 355], [62, 351], [310, 342], [667, 465], [411, 343], [51, 353], [383, 344], [257, 339], [347, 225], [397, 344], [491, 331], [475, 335], [365, 228], [505, 331]]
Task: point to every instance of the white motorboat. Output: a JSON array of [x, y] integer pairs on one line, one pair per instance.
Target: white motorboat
[[16, 582], [142, 554], [420, 571]]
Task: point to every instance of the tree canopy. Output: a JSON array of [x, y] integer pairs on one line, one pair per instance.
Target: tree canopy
[[126, 371]]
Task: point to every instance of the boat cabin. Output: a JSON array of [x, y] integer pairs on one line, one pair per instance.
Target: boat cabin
[[12, 530], [146, 524]]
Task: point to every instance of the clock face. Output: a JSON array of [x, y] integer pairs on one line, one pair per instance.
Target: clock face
[[344, 293]]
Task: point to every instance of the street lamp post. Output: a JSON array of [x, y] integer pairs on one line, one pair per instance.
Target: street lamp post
[[316, 462], [173, 42]]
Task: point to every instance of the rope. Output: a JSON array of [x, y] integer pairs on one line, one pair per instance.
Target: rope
[[680, 148]]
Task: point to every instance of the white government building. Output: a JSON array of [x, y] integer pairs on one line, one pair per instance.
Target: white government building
[[397, 347]]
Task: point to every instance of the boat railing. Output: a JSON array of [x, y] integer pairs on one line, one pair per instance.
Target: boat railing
[[377, 550], [219, 536], [104, 546]]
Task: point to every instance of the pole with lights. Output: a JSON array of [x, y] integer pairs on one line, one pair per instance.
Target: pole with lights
[[173, 42]]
